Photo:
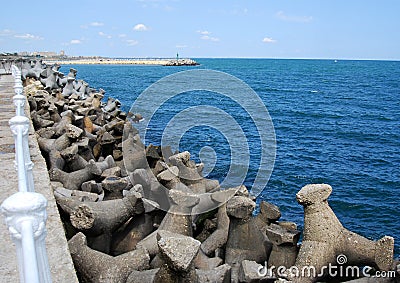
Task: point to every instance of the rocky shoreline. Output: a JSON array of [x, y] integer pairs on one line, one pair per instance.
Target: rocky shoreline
[[109, 187]]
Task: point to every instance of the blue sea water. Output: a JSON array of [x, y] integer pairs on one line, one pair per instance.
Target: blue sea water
[[335, 123]]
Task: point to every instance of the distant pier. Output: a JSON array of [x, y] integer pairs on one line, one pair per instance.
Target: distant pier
[[127, 61]]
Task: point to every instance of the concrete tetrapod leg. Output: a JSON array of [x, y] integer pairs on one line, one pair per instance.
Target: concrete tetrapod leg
[[50, 82], [178, 253], [67, 117], [53, 148], [101, 219], [137, 228], [188, 175], [243, 226], [69, 88], [36, 70], [220, 274], [325, 239], [284, 245], [177, 220], [213, 240], [133, 149], [94, 266], [74, 180], [219, 237]]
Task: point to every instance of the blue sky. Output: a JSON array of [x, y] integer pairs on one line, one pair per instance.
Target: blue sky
[[342, 29]]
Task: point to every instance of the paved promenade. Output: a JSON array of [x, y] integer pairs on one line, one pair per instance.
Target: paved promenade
[[61, 265]]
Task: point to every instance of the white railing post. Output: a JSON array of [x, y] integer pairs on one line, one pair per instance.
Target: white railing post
[[18, 98], [19, 102], [20, 128], [26, 216]]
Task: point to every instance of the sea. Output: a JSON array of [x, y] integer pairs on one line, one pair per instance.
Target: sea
[[334, 121]]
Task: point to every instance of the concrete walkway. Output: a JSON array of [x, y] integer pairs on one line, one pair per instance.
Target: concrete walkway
[[61, 266]]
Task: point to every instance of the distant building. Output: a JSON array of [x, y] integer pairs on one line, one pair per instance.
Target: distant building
[[44, 54], [24, 53]]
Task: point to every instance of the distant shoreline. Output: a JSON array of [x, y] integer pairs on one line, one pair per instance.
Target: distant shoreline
[[109, 61]]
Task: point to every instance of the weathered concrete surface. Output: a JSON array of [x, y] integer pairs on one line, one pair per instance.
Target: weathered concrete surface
[[61, 266]]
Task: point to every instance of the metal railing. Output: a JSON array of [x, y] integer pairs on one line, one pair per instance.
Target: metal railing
[[25, 211]]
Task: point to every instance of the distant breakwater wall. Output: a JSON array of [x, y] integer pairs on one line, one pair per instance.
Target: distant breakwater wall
[[109, 187], [136, 61]]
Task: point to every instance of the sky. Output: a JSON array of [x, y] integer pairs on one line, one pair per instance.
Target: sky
[[334, 29]]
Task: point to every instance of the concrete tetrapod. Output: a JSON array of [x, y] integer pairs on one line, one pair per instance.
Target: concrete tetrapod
[[53, 148], [325, 238]]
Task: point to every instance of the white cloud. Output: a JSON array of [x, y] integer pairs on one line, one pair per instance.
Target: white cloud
[[290, 18], [168, 8], [205, 35], [268, 40], [96, 24], [210, 38], [6, 32], [75, 41], [104, 34], [157, 4], [204, 32], [140, 27], [122, 35], [132, 42], [92, 24], [28, 36], [11, 33], [238, 11], [181, 46]]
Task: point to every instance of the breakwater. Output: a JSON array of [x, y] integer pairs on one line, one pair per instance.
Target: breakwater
[[83, 137], [125, 61]]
